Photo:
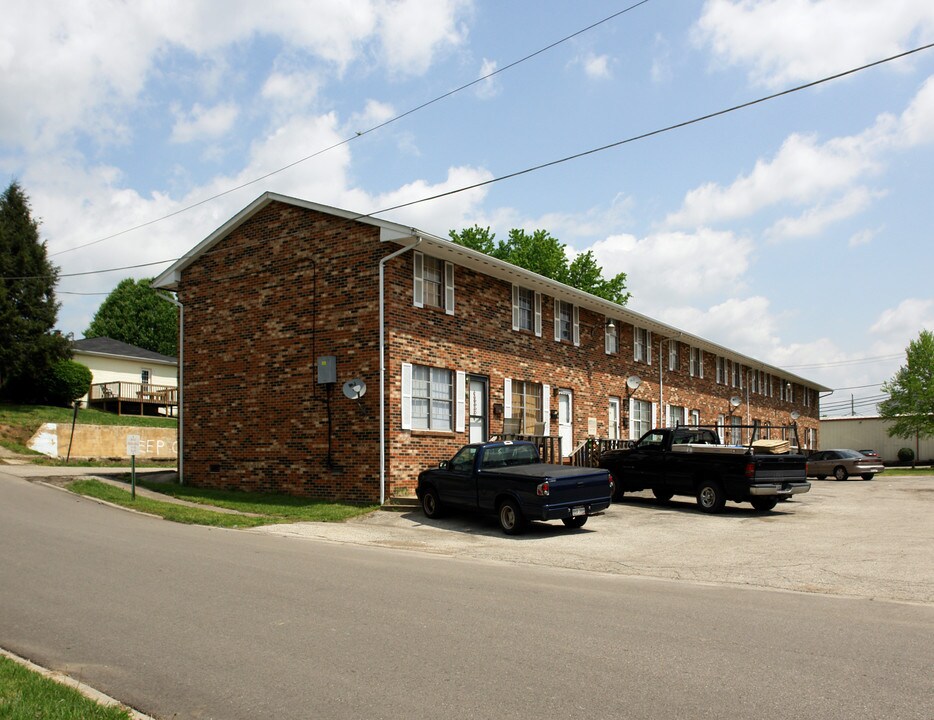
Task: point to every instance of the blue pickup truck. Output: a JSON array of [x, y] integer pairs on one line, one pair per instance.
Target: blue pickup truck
[[508, 478]]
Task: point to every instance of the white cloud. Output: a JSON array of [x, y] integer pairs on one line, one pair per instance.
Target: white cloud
[[204, 123], [818, 217], [863, 237], [675, 268], [597, 66], [490, 87], [293, 91], [916, 125], [786, 41], [897, 326], [75, 65]]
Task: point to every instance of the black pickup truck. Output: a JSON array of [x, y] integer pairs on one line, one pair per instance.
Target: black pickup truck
[[510, 479], [692, 461]]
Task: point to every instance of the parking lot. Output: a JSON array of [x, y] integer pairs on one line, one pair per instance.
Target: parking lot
[[856, 538]]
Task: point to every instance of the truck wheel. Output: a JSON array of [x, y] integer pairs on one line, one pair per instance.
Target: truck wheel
[[574, 522], [840, 473], [820, 477], [663, 495], [710, 497], [764, 504], [617, 490], [431, 505], [867, 476], [511, 519]]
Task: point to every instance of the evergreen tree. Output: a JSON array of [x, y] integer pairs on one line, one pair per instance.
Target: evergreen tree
[[134, 313], [543, 254], [28, 310]]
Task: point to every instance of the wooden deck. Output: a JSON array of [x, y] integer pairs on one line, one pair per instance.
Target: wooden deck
[[128, 398]]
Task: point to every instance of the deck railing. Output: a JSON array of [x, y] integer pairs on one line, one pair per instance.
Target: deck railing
[[134, 397], [589, 452]]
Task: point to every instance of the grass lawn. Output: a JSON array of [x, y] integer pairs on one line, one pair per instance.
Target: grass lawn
[[27, 695], [263, 509]]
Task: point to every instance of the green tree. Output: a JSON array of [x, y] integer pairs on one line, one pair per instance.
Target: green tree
[[134, 313], [546, 255], [910, 405], [28, 311]]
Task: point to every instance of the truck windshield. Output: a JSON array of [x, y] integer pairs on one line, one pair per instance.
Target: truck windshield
[[509, 456]]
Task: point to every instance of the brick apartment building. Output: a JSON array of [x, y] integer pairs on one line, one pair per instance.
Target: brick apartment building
[[288, 291]]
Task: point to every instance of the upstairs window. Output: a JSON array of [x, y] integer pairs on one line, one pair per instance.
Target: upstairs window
[[642, 345], [721, 371], [526, 310], [674, 358], [433, 283], [697, 362], [567, 322], [611, 337]]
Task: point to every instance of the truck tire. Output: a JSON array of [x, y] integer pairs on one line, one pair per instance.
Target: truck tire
[[663, 495], [764, 504], [840, 473], [710, 497], [574, 522], [618, 491], [511, 519], [431, 505], [820, 477]]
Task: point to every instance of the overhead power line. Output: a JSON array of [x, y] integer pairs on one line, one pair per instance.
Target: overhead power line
[[602, 148], [855, 361], [643, 136], [359, 134]]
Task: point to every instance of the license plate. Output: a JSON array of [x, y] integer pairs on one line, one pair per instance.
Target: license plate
[[578, 511]]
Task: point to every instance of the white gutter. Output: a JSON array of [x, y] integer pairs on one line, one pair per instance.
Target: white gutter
[[382, 367], [181, 385]]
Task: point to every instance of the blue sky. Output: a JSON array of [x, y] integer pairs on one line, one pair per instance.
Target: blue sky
[[798, 231]]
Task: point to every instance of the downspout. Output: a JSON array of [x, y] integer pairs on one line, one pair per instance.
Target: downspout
[[181, 385], [382, 367]]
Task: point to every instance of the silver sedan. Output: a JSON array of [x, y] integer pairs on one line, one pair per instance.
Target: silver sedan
[[843, 463]]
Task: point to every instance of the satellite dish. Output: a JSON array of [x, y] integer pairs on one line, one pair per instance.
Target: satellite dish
[[355, 389], [736, 401], [795, 414], [633, 382]]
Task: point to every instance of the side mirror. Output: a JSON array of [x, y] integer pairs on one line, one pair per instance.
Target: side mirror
[[443, 465]]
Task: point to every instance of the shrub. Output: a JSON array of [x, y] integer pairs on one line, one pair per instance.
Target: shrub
[[67, 381], [906, 454]]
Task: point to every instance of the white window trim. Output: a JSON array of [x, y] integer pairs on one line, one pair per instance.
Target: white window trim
[[575, 322], [459, 405], [418, 283]]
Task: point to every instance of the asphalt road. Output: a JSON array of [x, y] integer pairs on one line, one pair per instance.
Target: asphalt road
[[192, 622]]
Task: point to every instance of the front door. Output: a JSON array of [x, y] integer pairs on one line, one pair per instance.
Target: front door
[[478, 423], [565, 422]]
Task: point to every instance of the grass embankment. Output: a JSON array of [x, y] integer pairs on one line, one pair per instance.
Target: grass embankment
[[18, 423], [27, 695], [251, 509]]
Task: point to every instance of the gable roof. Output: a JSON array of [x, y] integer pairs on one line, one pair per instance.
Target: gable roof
[[108, 347], [445, 249]]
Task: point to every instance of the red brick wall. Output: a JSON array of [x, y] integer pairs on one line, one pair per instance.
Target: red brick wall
[[290, 285], [285, 287]]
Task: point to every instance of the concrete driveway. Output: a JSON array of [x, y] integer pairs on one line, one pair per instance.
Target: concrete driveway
[[856, 538]]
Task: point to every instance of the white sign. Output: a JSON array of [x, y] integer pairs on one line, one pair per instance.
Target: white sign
[[132, 444]]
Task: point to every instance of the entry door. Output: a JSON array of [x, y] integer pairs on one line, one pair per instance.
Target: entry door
[[565, 422], [477, 408]]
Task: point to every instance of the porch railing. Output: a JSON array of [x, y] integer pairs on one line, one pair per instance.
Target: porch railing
[[133, 397], [588, 453]]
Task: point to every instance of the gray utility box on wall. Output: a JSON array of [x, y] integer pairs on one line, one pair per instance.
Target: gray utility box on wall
[[327, 369]]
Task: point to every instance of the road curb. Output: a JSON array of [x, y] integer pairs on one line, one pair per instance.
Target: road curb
[[86, 690]]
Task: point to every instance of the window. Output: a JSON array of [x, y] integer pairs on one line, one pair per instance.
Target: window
[[567, 322], [641, 345], [640, 418], [736, 432], [673, 357], [526, 310], [432, 398], [611, 337], [737, 375], [613, 426], [753, 381], [433, 283], [807, 397], [463, 461], [697, 362], [526, 406], [145, 377], [721, 371], [721, 423], [675, 415], [695, 417]]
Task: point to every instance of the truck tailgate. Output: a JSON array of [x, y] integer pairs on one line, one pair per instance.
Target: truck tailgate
[[780, 468]]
